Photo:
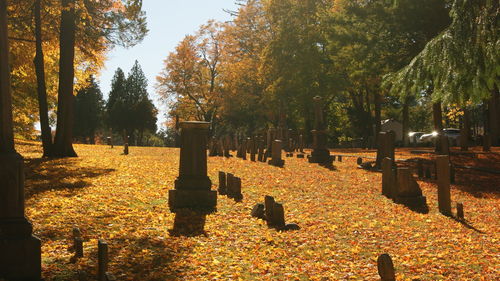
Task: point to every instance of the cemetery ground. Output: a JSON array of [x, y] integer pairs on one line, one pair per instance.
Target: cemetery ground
[[345, 222]]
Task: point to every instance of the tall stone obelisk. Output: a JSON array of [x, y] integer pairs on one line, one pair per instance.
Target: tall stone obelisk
[[20, 251], [320, 153]]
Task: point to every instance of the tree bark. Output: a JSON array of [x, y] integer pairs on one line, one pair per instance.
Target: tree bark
[[63, 146], [437, 117], [6, 129], [41, 87], [465, 131], [378, 106], [406, 121], [493, 118]]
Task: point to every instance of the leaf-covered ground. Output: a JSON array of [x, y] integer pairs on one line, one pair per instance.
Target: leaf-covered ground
[[345, 222]]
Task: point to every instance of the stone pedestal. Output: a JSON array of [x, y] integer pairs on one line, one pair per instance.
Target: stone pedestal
[[20, 251], [276, 154], [192, 186], [385, 147], [388, 178], [320, 153], [443, 182]]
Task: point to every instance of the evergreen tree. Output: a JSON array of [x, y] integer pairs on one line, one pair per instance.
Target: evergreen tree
[[89, 107]]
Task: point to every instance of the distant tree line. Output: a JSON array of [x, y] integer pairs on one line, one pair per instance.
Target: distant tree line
[[128, 112], [427, 63]]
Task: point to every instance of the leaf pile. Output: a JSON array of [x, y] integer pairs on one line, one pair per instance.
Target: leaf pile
[[345, 222]]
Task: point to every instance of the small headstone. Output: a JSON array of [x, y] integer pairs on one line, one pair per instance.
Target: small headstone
[[408, 190], [229, 184], [125, 149], [388, 178], [386, 268], [236, 189], [258, 211], [276, 154], [278, 216], [300, 155], [291, 226], [420, 168], [443, 182], [443, 145], [78, 245], [269, 209], [102, 258], [427, 172], [339, 158], [460, 211], [359, 161], [222, 183]]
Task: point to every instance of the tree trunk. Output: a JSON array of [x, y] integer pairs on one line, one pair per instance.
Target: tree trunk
[[41, 87], [465, 131], [493, 118], [378, 106], [6, 130], [406, 121], [437, 117], [63, 146]]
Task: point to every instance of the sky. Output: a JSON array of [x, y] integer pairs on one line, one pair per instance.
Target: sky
[[168, 22]]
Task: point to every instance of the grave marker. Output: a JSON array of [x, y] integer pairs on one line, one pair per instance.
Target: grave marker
[[386, 268], [192, 197], [276, 154], [443, 181], [222, 183], [320, 153], [102, 260]]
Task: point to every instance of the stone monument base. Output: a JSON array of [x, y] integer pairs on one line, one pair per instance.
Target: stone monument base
[[201, 201], [413, 201], [320, 156], [20, 252], [277, 163]]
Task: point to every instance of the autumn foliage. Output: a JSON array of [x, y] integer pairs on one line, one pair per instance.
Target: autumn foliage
[[345, 221]]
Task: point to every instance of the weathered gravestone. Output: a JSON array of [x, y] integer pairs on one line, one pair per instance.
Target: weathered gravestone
[[260, 155], [420, 168], [359, 161], [443, 182], [222, 183], [443, 145], [102, 260], [386, 268], [236, 189], [385, 147], [109, 141], [460, 212], [388, 178], [253, 149], [408, 191], [192, 198], [276, 155], [258, 211], [320, 153], [269, 208], [278, 218], [271, 135], [20, 251]]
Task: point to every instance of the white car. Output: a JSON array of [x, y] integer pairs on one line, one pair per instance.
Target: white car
[[452, 134]]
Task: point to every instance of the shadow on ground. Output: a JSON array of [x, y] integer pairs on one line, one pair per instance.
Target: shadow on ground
[[43, 174]]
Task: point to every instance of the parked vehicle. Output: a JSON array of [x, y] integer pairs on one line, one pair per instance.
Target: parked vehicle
[[414, 137], [452, 134]]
